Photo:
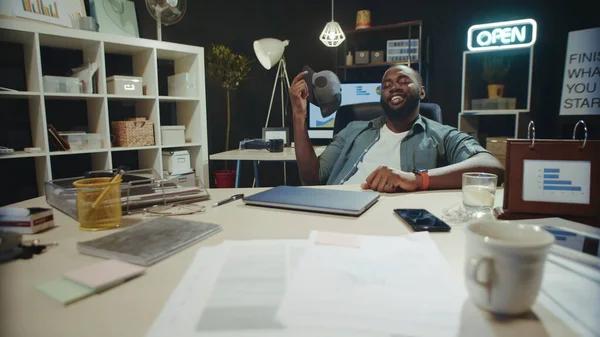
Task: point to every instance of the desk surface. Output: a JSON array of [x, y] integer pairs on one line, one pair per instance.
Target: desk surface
[[288, 154], [130, 309]]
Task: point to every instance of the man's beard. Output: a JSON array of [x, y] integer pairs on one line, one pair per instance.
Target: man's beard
[[409, 106]]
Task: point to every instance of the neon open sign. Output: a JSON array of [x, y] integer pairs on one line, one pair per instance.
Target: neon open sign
[[502, 35]]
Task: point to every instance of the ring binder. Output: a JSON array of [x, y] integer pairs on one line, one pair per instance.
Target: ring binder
[[585, 135], [531, 127]]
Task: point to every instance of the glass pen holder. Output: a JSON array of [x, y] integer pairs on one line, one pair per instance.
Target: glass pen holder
[[98, 203]]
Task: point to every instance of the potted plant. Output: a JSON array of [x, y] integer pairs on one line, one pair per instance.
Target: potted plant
[[229, 69], [494, 73]]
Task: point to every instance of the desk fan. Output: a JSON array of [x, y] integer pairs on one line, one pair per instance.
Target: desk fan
[[166, 12]]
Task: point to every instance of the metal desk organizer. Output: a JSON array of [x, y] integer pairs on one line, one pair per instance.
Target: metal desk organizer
[[140, 190]]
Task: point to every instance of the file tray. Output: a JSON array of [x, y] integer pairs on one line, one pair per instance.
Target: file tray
[[140, 189]]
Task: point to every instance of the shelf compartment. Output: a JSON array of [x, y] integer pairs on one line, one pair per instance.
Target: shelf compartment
[[186, 113], [145, 158], [77, 164], [22, 123], [120, 110], [172, 63], [89, 115], [59, 58], [19, 69], [132, 61], [23, 177]]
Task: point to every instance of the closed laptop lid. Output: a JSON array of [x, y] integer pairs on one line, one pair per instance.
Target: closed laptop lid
[[315, 199]]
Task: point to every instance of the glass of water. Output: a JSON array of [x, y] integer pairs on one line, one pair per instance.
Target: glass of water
[[479, 193]]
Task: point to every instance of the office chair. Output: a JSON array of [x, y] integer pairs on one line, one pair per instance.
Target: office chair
[[369, 111]]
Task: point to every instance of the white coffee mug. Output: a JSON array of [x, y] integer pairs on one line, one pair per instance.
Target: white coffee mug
[[504, 263]]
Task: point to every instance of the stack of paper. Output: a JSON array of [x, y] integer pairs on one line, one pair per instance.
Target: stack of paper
[[395, 285], [331, 285]]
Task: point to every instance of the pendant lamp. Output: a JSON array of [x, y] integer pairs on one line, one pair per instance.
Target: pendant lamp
[[332, 35]]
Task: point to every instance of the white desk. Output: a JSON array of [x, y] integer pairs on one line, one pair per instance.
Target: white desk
[[129, 309], [288, 154]]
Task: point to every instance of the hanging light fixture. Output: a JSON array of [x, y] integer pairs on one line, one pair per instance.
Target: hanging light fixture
[[332, 35]]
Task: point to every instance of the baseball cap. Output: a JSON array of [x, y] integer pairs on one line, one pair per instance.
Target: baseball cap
[[324, 90]]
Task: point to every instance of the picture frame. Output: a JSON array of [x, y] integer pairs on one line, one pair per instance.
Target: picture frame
[[277, 133]]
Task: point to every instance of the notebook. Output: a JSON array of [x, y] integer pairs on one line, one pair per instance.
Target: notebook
[[105, 274], [315, 199], [149, 242]]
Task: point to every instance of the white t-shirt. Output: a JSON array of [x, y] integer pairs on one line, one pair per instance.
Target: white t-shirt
[[385, 152]]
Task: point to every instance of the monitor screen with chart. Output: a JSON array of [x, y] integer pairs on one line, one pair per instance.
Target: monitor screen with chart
[[320, 127]]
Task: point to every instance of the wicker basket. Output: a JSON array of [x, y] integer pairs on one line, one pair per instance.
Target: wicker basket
[[133, 132]]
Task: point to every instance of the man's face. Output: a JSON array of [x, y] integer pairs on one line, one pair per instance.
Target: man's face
[[400, 92]]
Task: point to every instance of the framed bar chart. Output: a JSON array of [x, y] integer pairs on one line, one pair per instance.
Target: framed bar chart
[[51, 11], [565, 181]]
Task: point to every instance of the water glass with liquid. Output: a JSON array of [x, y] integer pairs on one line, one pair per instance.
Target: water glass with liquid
[[478, 191]]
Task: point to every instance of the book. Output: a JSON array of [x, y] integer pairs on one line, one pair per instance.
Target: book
[[26, 220], [149, 242]]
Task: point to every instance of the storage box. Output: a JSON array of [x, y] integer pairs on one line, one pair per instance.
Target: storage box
[[71, 85], [83, 141], [124, 85], [494, 104], [176, 162], [361, 57], [184, 180], [182, 85], [172, 135], [133, 132], [496, 145], [377, 56]]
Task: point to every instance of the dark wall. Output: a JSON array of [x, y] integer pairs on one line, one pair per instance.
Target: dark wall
[[237, 23]]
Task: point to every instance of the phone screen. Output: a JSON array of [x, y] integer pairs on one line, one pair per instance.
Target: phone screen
[[576, 241], [421, 220]]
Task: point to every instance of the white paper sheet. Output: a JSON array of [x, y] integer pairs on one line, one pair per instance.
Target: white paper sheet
[[235, 289], [395, 285], [571, 291]]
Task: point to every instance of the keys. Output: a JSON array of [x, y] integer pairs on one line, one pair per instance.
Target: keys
[[34, 247]]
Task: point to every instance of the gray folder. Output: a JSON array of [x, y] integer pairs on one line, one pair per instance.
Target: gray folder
[[315, 199]]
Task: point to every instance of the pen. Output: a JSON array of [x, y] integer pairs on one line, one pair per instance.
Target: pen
[[115, 178], [230, 199]]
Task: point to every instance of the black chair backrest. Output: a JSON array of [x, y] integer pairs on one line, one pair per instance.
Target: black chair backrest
[[370, 111]]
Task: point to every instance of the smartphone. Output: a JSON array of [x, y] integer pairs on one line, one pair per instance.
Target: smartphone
[[421, 220]]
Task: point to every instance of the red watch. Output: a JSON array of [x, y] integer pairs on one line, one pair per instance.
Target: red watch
[[424, 177]]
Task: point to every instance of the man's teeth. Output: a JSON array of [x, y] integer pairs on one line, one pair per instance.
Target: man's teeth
[[396, 99]]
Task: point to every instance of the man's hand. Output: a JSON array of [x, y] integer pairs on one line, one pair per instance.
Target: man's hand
[[383, 179], [298, 95]]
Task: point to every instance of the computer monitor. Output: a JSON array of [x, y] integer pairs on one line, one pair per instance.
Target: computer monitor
[[321, 128]]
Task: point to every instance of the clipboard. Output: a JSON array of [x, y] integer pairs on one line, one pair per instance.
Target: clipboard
[[545, 178]]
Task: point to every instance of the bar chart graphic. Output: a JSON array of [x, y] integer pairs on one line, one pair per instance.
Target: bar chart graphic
[[562, 181], [47, 8]]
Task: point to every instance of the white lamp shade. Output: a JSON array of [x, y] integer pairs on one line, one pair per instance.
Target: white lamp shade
[[269, 51], [332, 35]]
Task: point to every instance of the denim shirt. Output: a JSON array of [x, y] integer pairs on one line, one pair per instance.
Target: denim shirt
[[427, 145]]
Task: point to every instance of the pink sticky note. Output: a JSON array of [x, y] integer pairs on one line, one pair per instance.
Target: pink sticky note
[[338, 239], [105, 274]]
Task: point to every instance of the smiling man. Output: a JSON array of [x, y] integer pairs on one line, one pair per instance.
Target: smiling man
[[401, 151]]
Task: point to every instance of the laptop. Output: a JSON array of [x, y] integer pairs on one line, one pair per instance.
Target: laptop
[[315, 200]]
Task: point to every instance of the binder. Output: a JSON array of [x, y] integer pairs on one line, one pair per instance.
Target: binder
[[545, 178]]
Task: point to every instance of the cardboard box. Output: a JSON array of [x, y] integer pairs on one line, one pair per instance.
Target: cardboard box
[[361, 57], [26, 220], [377, 56], [496, 145]]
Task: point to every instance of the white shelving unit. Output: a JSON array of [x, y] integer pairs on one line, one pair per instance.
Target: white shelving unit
[[468, 119], [144, 55]]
